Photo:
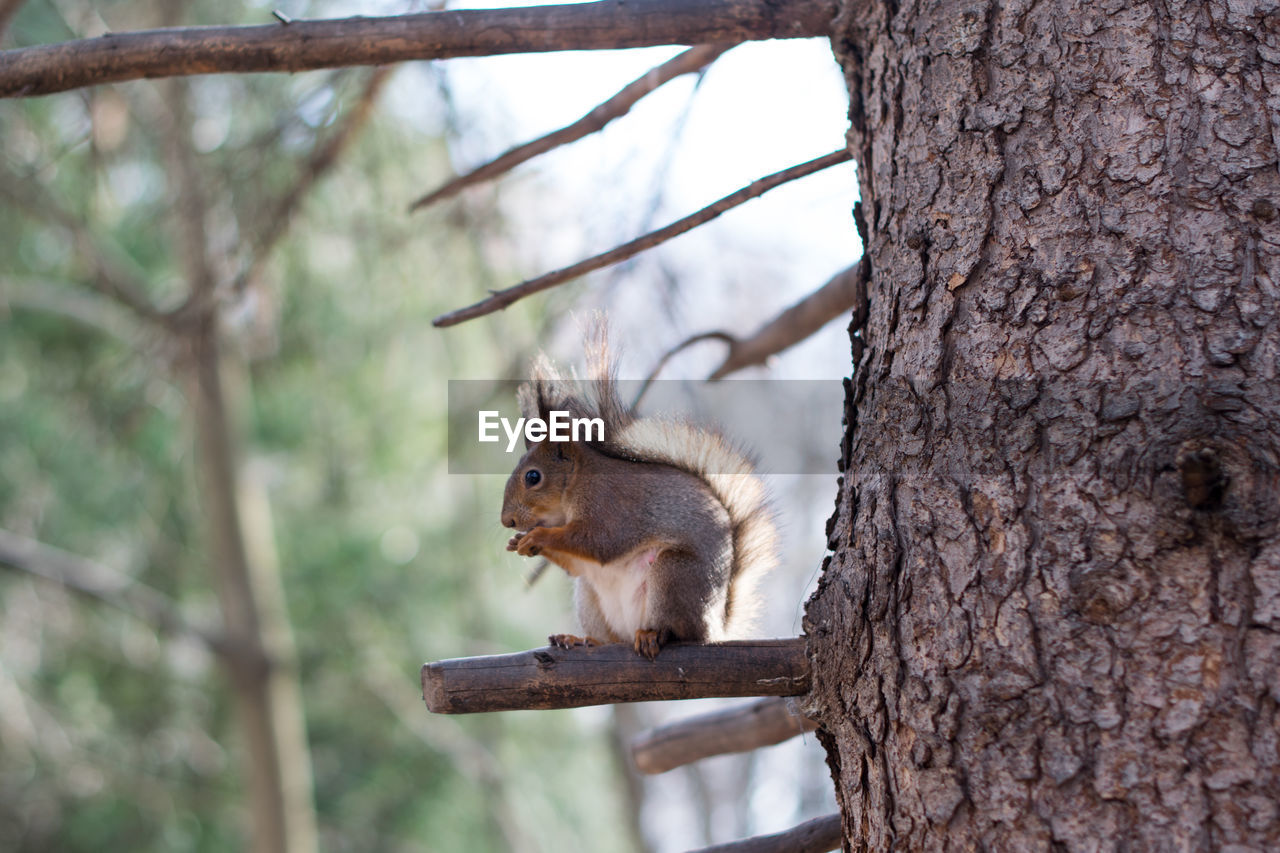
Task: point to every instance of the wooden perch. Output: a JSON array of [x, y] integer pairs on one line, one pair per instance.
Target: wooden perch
[[813, 836], [693, 59], [599, 675], [307, 45], [502, 298], [764, 722]]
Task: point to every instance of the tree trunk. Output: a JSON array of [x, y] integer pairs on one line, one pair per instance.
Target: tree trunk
[[1052, 614], [262, 664]]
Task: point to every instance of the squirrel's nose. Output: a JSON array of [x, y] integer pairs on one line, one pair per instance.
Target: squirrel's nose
[[509, 521]]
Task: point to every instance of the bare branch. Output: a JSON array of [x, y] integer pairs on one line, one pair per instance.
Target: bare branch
[[845, 291], [108, 273], [503, 298], [322, 159], [103, 584], [306, 45], [672, 353], [560, 678], [764, 722], [619, 105], [68, 301], [814, 836]]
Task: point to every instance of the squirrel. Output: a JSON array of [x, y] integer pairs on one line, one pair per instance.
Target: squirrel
[[664, 525]]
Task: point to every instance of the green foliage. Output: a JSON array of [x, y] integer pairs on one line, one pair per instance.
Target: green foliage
[[113, 736]]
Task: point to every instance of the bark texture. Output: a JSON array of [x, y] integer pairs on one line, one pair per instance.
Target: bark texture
[[1051, 619]]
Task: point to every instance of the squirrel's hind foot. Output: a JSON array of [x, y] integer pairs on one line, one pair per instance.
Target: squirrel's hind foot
[[649, 642]]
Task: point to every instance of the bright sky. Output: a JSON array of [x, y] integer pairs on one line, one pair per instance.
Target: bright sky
[[762, 107]]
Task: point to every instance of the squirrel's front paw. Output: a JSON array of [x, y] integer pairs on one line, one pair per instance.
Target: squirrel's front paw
[[530, 544], [514, 542]]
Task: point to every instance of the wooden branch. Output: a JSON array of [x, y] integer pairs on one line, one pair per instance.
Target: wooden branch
[[813, 836], [503, 298], [764, 722], [844, 292], [619, 105], [103, 584], [307, 45], [560, 678]]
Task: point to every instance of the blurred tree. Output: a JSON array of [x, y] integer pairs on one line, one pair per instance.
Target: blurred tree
[[240, 426]]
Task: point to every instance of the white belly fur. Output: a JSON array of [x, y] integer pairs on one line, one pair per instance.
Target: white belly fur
[[621, 589]]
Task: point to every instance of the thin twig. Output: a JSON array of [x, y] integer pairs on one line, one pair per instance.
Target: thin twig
[[672, 353], [307, 45], [503, 298], [617, 106], [322, 159], [845, 291], [103, 584], [70, 302], [108, 275]]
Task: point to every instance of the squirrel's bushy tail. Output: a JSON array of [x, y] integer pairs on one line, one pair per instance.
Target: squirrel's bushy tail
[[727, 470], [731, 476]]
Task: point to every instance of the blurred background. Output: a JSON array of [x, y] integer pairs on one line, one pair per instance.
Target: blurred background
[[250, 233]]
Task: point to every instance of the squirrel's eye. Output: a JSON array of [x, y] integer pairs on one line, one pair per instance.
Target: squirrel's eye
[[532, 477]]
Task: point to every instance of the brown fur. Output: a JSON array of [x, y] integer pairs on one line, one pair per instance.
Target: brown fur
[[664, 525]]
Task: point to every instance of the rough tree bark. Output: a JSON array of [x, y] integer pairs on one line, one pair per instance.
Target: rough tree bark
[[1052, 615]]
